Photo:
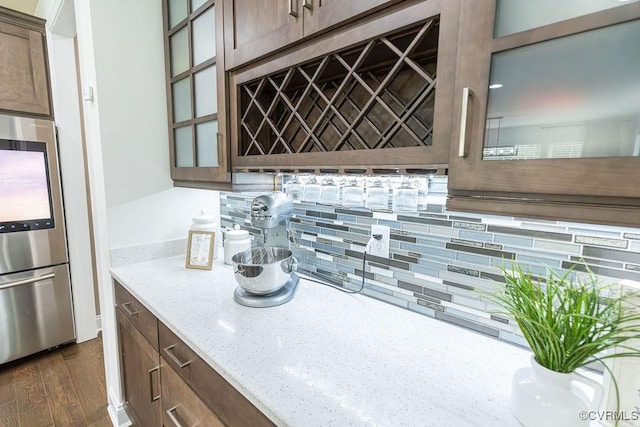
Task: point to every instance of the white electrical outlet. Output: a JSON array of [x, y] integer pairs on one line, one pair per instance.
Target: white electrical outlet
[[380, 247]]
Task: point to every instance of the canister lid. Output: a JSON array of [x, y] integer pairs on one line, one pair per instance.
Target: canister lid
[[203, 218], [237, 233]]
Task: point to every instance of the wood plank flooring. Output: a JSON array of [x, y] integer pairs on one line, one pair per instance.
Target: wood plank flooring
[[62, 387]]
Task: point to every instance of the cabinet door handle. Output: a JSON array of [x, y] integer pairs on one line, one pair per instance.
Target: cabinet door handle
[[307, 4], [169, 351], [220, 152], [153, 396], [293, 8], [466, 93], [126, 309], [173, 418]]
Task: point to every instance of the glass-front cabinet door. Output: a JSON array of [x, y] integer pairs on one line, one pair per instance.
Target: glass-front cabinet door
[[548, 110], [196, 91]]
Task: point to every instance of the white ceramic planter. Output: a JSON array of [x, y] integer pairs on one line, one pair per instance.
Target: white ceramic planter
[[544, 398]]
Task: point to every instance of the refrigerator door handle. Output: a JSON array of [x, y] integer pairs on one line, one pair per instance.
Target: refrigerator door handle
[[28, 281]]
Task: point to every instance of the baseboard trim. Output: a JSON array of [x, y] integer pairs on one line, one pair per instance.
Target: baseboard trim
[[117, 413], [98, 323]]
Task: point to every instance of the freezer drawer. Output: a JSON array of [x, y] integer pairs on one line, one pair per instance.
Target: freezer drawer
[[35, 311]]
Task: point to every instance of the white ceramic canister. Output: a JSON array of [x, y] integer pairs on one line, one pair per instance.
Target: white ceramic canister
[[236, 241], [206, 222]]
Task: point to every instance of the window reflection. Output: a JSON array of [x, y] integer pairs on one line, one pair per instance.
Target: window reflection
[[577, 96]]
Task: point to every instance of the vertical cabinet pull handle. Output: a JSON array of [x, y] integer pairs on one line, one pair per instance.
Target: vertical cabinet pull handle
[[466, 93], [127, 310], [308, 4], [169, 351], [219, 140], [293, 8], [154, 397]]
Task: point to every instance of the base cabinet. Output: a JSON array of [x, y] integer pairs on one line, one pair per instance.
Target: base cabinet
[[141, 374], [177, 388]]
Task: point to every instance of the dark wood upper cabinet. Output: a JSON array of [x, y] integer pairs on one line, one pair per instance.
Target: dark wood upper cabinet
[[196, 93], [546, 114], [255, 28], [376, 93], [320, 15], [24, 76]]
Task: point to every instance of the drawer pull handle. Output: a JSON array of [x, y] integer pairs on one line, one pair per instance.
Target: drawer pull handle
[[169, 351], [463, 121], [151, 371], [173, 418], [127, 310], [293, 8], [308, 4]]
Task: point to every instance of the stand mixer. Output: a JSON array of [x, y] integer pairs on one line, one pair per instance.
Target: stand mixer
[[259, 271], [271, 213]]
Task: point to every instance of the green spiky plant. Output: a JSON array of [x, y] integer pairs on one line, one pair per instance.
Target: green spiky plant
[[569, 322]]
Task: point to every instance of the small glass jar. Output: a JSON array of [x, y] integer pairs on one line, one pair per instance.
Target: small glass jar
[[330, 193], [311, 190], [377, 196], [422, 185], [405, 198], [353, 194], [294, 189]]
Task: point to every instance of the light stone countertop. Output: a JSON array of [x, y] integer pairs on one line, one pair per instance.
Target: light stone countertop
[[327, 358]]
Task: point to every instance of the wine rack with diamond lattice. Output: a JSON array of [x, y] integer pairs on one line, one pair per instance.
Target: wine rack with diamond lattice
[[378, 94]]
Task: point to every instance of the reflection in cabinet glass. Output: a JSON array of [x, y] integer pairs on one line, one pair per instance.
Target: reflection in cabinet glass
[[575, 96], [513, 16], [207, 144], [177, 11], [205, 92], [379, 94], [195, 4], [181, 94], [184, 146], [204, 36], [179, 42]]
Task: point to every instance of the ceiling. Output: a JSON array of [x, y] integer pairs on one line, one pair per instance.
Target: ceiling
[[26, 6]]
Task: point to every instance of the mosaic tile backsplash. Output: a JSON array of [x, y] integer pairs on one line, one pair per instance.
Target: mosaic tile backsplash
[[439, 259]]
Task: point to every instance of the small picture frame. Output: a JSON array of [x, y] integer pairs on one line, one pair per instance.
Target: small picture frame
[[200, 249]]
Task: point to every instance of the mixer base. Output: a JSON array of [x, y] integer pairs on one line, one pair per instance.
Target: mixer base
[[282, 295]]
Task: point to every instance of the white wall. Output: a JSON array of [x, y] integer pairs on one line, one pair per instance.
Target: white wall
[[130, 79], [159, 217], [26, 6]]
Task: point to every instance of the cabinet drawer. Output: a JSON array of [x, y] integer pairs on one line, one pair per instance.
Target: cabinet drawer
[[141, 318], [180, 405], [229, 404]]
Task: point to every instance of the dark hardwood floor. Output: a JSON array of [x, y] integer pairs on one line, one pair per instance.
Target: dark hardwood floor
[[61, 387]]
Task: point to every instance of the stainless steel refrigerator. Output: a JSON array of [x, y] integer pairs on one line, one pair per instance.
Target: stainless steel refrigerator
[[36, 311]]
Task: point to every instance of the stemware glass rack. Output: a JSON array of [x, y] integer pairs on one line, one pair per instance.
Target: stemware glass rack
[[378, 94]]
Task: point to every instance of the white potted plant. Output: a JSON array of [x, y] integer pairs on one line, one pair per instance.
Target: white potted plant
[[569, 323]]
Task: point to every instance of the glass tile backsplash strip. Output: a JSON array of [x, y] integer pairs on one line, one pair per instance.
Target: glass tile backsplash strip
[[439, 259]]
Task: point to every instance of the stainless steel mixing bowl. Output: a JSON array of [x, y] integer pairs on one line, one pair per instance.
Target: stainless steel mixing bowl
[[263, 271]]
